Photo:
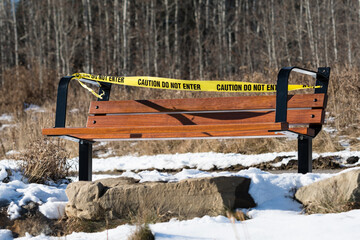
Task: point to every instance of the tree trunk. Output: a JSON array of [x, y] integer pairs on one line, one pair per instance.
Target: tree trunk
[[107, 38], [154, 32], [91, 40], [47, 60], [148, 40], [334, 30], [86, 41], [309, 24], [248, 41], [116, 58], [298, 25], [101, 57], [2, 42], [273, 49], [220, 43], [16, 47], [198, 36], [285, 36], [56, 31], [167, 41], [349, 44], [125, 46], [176, 41]]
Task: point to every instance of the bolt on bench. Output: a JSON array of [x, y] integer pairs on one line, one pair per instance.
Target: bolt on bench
[[282, 115]]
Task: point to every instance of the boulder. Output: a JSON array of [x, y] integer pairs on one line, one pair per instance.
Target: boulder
[[335, 194], [123, 197]]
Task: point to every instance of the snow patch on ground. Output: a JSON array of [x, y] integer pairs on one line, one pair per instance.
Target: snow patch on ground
[[3, 173], [277, 215], [5, 234], [203, 161], [18, 193], [33, 108], [53, 209], [6, 117]]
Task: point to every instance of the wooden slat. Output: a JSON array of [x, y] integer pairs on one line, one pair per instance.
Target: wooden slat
[[204, 104], [294, 117], [166, 129], [150, 136], [185, 135]]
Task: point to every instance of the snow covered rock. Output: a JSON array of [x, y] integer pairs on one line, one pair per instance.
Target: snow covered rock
[[120, 197], [335, 194]]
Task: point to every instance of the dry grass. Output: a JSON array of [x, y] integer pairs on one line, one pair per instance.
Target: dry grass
[[45, 161], [142, 232]]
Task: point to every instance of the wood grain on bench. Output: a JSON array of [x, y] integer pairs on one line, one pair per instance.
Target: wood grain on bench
[[251, 116], [204, 104]]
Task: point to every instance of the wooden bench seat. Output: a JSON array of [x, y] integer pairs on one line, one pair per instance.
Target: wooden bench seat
[[200, 118]]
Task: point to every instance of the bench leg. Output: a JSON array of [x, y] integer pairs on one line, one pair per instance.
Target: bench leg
[[85, 161], [304, 154]]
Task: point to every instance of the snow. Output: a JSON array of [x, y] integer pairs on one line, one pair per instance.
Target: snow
[[273, 225], [19, 193], [33, 108], [5, 234], [53, 209], [276, 216], [6, 117], [203, 161], [3, 173]]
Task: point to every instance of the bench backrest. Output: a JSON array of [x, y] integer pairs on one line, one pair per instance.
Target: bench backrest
[[303, 109]]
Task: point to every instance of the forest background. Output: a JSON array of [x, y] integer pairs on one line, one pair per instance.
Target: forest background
[[244, 40]]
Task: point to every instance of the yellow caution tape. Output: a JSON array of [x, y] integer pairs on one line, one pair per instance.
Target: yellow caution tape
[[186, 85]]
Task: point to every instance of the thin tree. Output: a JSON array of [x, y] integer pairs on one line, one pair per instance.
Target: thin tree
[[16, 46], [197, 12], [334, 30]]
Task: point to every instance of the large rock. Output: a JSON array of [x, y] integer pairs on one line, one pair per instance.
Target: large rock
[[335, 194], [121, 197]]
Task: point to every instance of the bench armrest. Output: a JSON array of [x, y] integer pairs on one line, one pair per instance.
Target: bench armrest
[[61, 102], [322, 79]]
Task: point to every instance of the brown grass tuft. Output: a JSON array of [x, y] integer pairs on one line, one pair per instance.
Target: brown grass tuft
[[142, 232], [45, 160]]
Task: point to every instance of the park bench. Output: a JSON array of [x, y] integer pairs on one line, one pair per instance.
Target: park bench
[[282, 115]]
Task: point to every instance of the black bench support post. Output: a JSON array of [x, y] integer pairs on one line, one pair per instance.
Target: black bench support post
[[304, 154], [85, 161]]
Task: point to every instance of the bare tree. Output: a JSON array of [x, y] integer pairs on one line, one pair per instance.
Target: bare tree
[[125, 45], [309, 24], [16, 46], [167, 35], [3, 42], [197, 12], [107, 36], [176, 40], [273, 34], [116, 34], [334, 30], [91, 41], [347, 24], [298, 26], [154, 33]]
